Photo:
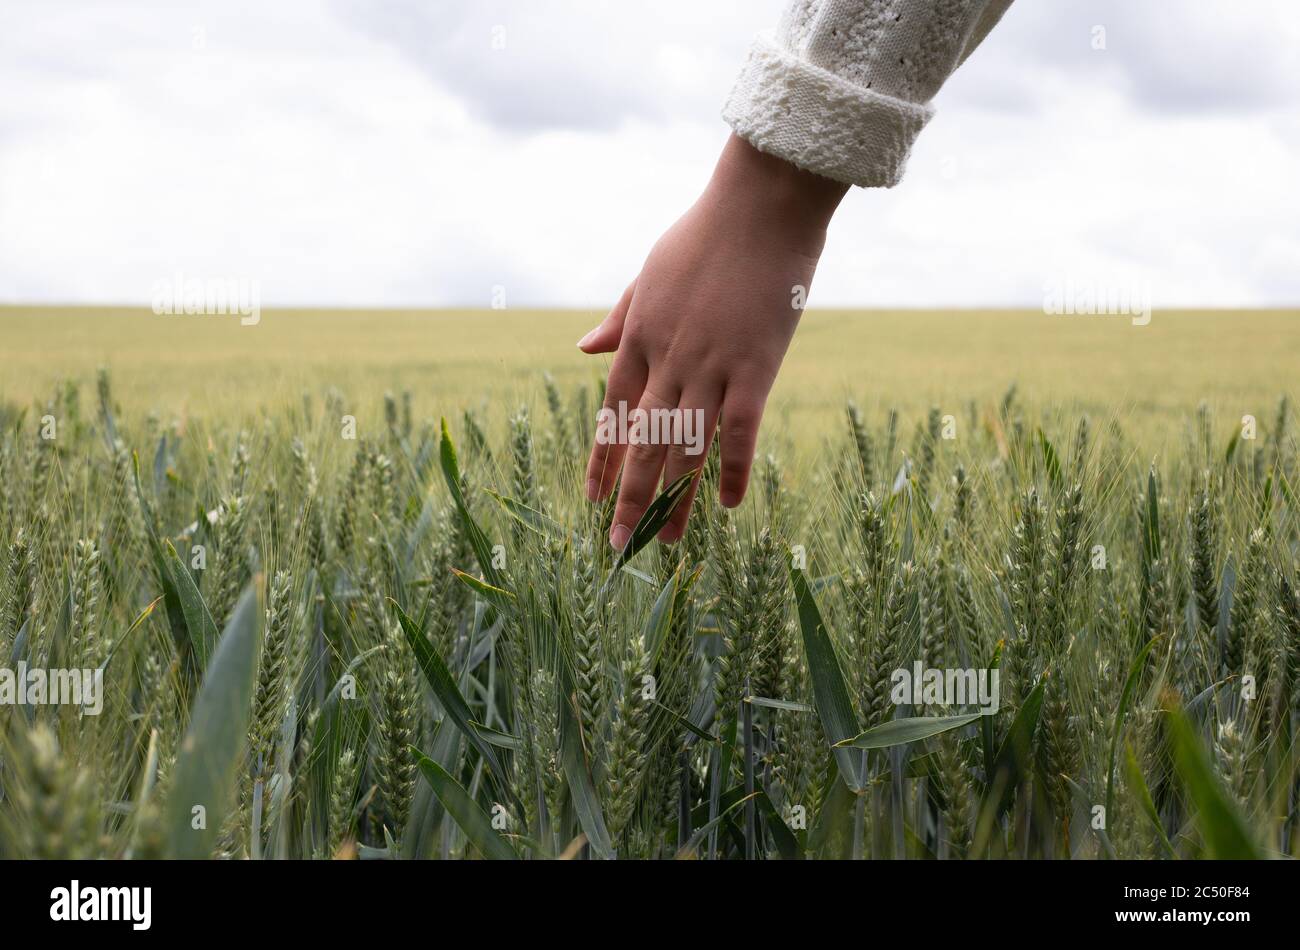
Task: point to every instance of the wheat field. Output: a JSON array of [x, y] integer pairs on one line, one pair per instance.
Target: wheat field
[[405, 636], [1237, 361]]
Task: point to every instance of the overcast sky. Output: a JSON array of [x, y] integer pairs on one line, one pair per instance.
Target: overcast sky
[[404, 153]]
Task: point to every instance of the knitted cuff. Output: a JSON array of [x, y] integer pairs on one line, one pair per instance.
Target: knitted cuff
[[817, 121]]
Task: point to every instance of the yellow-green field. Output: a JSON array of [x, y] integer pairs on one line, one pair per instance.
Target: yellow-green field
[[232, 561], [210, 365]]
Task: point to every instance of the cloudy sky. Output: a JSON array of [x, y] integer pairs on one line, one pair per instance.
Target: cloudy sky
[[403, 153]]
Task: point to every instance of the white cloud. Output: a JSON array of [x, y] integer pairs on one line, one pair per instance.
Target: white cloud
[[378, 154]]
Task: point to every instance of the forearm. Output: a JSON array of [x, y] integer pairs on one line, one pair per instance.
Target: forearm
[[772, 196]]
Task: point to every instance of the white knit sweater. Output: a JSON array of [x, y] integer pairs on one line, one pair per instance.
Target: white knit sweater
[[842, 88]]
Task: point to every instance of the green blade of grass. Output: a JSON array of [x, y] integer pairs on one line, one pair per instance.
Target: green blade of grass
[[199, 623], [478, 540], [787, 845], [1138, 785], [1151, 537], [209, 756], [530, 518], [1015, 757], [162, 571], [642, 576], [581, 790], [652, 522], [503, 600], [444, 687], [987, 743], [1050, 459], [135, 625], [831, 695], [426, 810], [833, 818], [501, 740], [901, 731], [1227, 593], [1125, 697], [1220, 824], [468, 814], [661, 617], [784, 704], [693, 845], [685, 723]]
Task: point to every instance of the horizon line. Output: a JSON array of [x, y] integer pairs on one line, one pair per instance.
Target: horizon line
[[572, 308]]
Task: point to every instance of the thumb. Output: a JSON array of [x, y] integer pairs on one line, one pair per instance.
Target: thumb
[[605, 337]]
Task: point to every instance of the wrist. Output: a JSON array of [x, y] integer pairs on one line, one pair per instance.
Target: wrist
[[760, 186]]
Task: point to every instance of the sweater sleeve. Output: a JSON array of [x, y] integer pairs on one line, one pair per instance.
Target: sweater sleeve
[[842, 87]]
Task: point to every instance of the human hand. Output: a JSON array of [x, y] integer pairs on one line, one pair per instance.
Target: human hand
[[705, 325]]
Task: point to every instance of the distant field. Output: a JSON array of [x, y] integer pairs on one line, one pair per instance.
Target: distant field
[[202, 365]]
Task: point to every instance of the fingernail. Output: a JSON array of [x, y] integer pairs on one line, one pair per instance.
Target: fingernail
[[619, 535], [587, 339], [729, 499], [593, 489]]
